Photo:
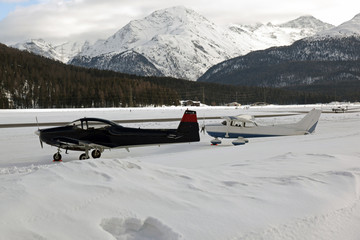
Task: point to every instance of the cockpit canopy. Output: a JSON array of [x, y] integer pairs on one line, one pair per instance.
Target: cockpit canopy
[[92, 123], [240, 121]]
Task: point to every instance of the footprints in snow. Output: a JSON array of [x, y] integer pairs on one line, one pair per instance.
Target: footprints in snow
[[135, 229]]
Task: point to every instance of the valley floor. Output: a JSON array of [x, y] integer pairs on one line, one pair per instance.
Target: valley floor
[[298, 187]]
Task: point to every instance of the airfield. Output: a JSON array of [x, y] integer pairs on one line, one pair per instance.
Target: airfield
[[295, 187]]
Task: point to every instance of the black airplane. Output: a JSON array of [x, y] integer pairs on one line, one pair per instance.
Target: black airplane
[[99, 134]]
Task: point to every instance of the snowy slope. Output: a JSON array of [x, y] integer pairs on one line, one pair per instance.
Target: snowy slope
[[301, 187], [283, 34], [40, 47], [178, 41], [62, 52], [346, 29], [181, 43]]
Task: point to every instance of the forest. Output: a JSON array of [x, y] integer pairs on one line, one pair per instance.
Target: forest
[[31, 81]]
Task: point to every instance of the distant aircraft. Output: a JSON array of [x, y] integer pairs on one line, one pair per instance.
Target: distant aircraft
[[340, 109], [244, 126], [98, 134]]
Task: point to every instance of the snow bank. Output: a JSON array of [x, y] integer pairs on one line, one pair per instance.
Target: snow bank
[[299, 187]]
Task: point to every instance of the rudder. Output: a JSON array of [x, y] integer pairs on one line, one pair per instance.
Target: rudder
[[189, 126], [309, 122]]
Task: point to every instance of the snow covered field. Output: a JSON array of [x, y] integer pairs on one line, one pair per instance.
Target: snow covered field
[[298, 187]]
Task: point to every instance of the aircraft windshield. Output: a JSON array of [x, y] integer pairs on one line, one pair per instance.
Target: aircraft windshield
[[90, 124], [76, 123]]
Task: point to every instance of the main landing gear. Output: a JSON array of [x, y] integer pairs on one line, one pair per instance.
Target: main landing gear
[[215, 141], [236, 142], [96, 153]]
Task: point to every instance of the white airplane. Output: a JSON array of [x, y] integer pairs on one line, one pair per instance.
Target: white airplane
[[340, 109], [244, 126]]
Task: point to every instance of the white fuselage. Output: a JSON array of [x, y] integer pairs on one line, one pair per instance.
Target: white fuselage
[[245, 127], [228, 131]]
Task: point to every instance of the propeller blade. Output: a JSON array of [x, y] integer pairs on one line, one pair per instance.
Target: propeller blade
[[38, 132], [202, 129], [203, 125], [37, 122]]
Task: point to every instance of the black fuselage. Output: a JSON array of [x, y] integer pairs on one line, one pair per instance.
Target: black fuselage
[[106, 134]]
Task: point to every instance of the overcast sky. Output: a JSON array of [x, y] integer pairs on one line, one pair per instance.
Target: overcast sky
[[59, 20]]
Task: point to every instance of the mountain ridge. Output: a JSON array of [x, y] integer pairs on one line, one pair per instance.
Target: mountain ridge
[[182, 43], [305, 62], [327, 46]]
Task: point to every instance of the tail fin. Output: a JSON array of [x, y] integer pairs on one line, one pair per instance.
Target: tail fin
[[309, 122], [189, 127]]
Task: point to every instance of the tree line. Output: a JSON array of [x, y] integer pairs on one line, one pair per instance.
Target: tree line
[[31, 81]]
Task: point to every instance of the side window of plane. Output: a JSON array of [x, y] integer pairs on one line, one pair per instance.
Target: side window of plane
[[84, 125], [97, 125], [76, 124]]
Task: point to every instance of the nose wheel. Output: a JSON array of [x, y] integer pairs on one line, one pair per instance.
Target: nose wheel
[[57, 156]]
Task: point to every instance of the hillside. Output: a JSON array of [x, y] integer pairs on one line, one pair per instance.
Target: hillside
[[327, 62], [31, 81], [330, 63]]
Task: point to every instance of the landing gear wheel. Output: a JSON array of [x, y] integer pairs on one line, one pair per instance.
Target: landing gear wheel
[[215, 142], [96, 153], [83, 156], [57, 157]]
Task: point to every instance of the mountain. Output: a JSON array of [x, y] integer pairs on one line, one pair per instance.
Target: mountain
[[30, 81], [329, 56], [62, 52], [307, 23], [181, 43], [349, 28], [39, 47], [270, 35], [129, 62], [178, 41], [304, 62]]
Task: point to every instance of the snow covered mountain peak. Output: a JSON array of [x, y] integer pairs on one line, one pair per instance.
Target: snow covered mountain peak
[[181, 43], [167, 22], [178, 15], [346, 29], [178, 41], [307, 22], [62, 52], [40, 47]]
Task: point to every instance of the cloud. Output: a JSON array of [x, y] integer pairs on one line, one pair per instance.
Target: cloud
[[13, 1], [64, 20]]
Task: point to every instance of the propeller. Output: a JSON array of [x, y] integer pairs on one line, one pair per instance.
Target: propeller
[[38, 132]]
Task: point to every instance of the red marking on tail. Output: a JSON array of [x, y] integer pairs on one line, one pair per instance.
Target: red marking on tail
[[189, 117]]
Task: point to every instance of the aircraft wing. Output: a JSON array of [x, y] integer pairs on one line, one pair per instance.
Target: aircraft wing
[[229, 118]]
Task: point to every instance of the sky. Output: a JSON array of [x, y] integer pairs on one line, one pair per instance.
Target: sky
[[72, 20]]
